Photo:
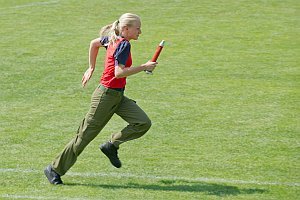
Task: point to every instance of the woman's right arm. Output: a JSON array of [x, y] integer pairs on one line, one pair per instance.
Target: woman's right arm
[[93, 52]]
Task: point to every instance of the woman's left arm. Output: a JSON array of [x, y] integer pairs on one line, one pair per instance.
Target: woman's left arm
[[122, 71]]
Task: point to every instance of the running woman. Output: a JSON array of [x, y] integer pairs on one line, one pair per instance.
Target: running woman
[[108, 98]]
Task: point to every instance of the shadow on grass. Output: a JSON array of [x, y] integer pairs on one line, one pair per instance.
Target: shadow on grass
[[181, 186]]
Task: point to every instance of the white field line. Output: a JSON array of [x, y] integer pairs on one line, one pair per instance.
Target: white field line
[[33, 4], [129, 175], [13, 196]]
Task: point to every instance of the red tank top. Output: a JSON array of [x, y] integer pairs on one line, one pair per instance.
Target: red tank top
[[108, 78]]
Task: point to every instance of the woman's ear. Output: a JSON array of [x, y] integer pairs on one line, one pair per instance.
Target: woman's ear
[[125, 28]]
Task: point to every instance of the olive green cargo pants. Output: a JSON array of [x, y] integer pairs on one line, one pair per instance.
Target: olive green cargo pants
[[105, 102]]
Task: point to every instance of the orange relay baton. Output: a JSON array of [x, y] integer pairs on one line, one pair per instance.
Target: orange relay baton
[[157, 53]]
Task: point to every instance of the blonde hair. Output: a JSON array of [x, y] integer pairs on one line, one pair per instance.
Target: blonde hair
[[114, 30]]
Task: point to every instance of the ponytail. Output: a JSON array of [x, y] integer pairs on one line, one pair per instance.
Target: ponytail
[[114, 30]]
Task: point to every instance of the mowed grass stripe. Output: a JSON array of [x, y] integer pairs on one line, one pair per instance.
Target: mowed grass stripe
[[131, 175]]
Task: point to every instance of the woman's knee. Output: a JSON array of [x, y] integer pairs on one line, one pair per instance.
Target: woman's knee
[[146, 124]]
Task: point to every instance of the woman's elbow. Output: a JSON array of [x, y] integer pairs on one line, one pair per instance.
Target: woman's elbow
[[117, 75], [119, 72]]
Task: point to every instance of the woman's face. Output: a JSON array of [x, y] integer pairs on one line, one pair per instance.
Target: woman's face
[[133, 32]]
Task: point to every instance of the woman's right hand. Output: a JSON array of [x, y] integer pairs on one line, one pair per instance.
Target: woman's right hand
[[87, 75], [150, 66]]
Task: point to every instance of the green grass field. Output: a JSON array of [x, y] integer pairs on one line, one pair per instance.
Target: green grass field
[[224, 100]]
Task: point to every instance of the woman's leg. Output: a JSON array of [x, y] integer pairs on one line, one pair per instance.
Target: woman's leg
[[103, 106], [138, 122]]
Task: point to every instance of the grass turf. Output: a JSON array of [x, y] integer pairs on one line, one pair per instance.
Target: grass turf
[[224, 100]]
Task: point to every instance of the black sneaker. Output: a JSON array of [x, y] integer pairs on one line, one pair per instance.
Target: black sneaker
[[112, 153], [53, 177]]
